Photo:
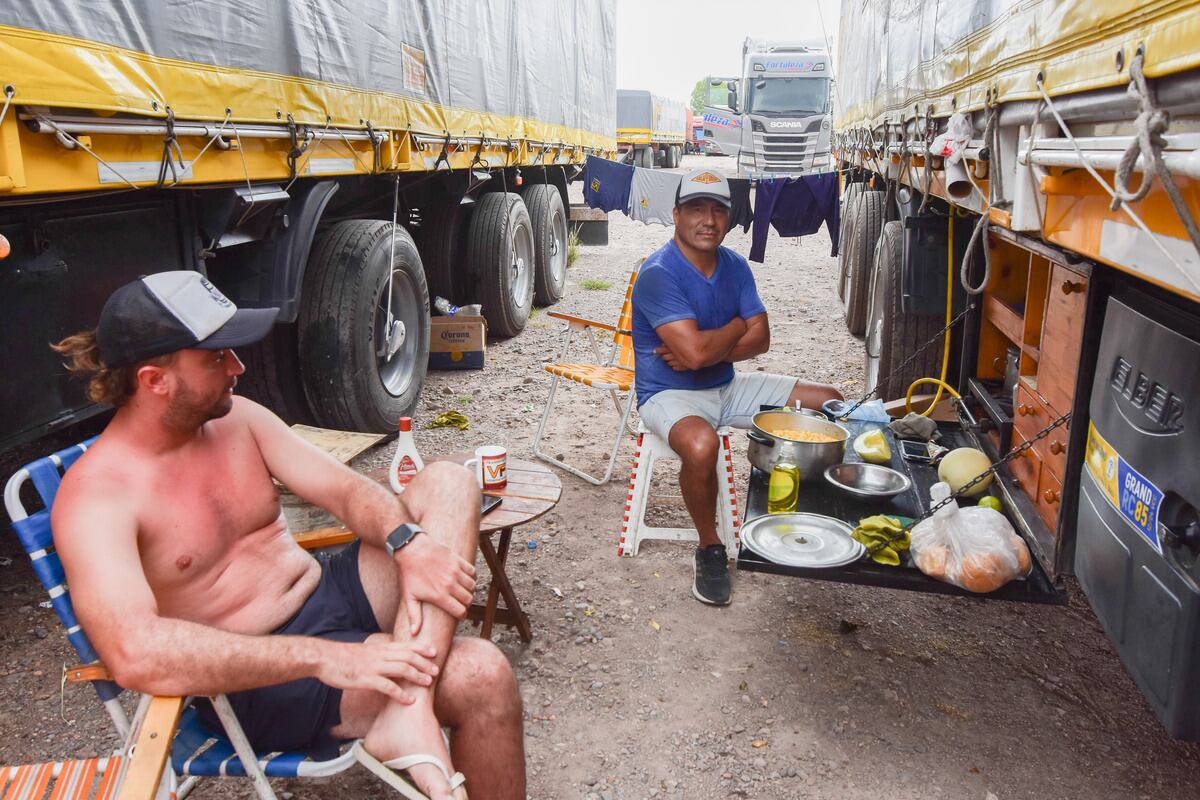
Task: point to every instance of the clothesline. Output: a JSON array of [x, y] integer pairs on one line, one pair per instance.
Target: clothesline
[[792, 206]]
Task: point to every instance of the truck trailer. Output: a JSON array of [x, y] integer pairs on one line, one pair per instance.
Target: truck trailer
[[650, 129], [1020, 196], [344, 163], [775, 117]]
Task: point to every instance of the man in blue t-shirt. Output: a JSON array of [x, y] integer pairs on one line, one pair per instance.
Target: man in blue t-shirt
[[696, 311]]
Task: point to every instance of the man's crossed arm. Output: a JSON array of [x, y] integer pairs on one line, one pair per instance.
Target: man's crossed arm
[[686, 347]]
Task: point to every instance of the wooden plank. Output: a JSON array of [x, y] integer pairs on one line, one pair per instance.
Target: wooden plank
[[324, 537], [1004, 318], [152, 747], [342, 445]]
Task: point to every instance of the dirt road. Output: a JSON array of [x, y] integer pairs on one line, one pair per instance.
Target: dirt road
[[799, 689]]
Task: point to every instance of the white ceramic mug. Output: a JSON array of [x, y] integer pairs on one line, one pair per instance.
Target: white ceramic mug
[[490, 466]]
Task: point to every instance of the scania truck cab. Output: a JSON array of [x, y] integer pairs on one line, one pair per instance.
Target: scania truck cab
[[781, 104]]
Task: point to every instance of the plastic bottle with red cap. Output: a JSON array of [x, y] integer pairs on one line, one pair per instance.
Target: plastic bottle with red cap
[[406, 463]]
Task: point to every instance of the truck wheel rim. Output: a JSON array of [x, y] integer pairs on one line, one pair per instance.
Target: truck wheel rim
[[519, 265], [558, 247], [874, 338], [396, 373]]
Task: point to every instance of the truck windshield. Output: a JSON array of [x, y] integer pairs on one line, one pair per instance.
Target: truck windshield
[[788, 96]]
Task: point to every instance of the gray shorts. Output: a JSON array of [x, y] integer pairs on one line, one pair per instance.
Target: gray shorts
[[733, 404]]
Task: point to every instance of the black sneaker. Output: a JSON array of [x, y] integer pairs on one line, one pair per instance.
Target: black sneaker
[[710, 575]]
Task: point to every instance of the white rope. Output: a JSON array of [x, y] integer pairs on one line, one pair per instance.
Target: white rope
[[9, 91], [42, 120], [1111, 193], [1151, 124]]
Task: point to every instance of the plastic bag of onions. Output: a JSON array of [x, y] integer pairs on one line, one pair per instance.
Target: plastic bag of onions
[[974, 548]]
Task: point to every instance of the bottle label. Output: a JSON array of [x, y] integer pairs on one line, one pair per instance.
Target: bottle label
[[406, 470]]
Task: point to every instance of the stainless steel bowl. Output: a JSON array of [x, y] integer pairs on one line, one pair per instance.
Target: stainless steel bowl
[[767, 449], [868, 480]]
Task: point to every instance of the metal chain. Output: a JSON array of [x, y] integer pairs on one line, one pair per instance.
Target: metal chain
[[900, 369], [1012, 454]]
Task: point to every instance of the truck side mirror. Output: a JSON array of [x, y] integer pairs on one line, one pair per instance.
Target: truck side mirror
[[732, 102]]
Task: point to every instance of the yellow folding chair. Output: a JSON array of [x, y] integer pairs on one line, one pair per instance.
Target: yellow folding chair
[[613, 375]]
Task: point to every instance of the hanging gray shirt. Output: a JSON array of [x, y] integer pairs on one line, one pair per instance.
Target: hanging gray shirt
[[652, 195]]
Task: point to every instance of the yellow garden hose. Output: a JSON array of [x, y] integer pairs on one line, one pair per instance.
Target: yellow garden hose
[[942, 385], [941, 382]]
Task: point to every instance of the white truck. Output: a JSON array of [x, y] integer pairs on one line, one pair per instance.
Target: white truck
[[775, 117], [345, 162]]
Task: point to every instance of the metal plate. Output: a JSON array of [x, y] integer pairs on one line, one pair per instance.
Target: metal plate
[[802, 540]]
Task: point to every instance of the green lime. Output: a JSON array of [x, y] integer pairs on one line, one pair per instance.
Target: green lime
[[988, 501]]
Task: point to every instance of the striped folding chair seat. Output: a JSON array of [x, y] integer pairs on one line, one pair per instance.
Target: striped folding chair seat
[[613, 374]]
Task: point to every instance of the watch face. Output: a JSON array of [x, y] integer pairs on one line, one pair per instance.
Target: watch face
[[401, 536]]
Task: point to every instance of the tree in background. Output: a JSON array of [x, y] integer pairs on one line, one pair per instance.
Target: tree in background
[[720, 95]]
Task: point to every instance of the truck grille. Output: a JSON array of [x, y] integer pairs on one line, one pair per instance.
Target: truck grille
[[785, 151]]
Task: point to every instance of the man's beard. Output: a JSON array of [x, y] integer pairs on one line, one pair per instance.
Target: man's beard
[[187, 410]]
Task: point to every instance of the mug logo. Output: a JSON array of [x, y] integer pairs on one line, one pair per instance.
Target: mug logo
[[494, 470]]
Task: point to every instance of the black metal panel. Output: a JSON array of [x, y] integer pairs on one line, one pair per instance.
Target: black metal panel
[[65, 261], [1139, 568], [924, 265], [821, 498]]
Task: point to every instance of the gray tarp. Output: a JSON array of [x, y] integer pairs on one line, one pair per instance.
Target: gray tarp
[[548, 60]]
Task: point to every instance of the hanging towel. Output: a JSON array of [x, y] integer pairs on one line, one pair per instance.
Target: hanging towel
[[652, 195], [606, 184], [740, 212], [795, 207]]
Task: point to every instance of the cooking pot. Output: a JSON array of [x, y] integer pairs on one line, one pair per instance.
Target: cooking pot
[[767, 449]]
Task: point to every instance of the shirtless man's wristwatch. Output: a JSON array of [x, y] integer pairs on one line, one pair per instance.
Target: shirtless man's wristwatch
[[401, 536]]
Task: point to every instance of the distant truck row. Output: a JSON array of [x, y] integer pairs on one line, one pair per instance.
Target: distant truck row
[[651, 130]]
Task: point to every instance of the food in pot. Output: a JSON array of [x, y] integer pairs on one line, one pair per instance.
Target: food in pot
[[961, 466], [804, 436]]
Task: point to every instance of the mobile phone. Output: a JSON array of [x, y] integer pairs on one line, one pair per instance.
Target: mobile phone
[[487, 502], [914, 451]]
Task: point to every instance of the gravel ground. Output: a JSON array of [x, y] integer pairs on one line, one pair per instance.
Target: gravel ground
[[800, 689]]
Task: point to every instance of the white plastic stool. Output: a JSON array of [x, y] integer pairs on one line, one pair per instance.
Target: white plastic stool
[[634, 529]]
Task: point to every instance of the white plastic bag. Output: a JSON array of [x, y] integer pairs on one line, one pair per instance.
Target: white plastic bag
[[974, 548], [950, 145]]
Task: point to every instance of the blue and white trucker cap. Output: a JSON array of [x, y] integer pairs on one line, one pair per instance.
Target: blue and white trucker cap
[[703, 183], [168, 311]]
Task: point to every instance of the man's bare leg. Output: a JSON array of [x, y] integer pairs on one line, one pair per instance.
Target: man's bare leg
[[444, 499], [813, 395], [696, 444]]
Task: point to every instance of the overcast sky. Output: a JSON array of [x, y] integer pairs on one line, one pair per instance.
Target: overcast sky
[[667, 45]]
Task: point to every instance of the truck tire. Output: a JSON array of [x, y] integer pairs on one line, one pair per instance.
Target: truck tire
[[852, 191], [644, 158], [892, 335], [272, 376], [500, 251], [439, 239], [549, 219], [350, 382], [867, 209]]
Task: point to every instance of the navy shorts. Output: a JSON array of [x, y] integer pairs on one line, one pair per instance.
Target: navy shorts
[[299, 715]]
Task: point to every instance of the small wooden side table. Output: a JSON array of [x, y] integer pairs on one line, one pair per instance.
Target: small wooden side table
[[531, 491]]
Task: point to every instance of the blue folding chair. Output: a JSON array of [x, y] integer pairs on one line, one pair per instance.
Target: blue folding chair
[[195, 752]]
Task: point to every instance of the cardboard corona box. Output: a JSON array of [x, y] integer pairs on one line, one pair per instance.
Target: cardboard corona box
[[457, 342]]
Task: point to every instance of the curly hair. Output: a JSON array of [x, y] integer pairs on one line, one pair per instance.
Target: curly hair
[[113, 386]]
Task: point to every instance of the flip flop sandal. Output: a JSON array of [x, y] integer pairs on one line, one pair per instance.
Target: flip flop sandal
[[386, 771]]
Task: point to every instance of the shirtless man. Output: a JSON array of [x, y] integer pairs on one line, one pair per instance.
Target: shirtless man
[[188, 582]]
